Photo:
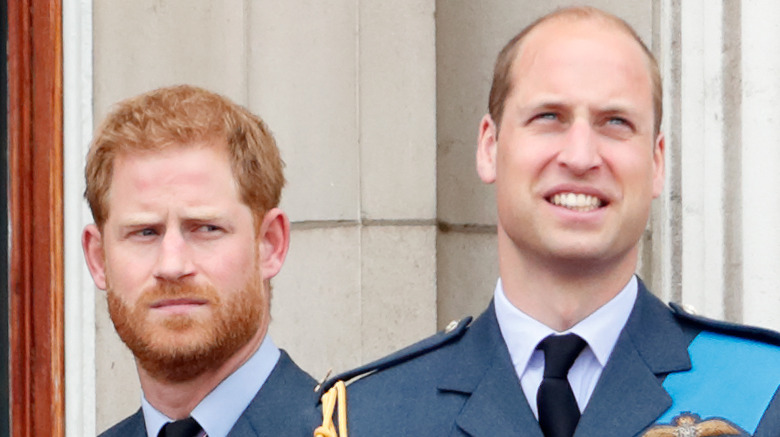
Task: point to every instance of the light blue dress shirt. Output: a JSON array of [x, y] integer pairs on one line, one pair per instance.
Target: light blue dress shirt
[[220, 409], [600, 330]]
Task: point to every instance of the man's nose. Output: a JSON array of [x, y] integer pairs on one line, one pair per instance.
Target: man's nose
[[580, 152], [174, 260]]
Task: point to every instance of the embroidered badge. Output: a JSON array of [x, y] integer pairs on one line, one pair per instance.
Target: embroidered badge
[[691, 425]]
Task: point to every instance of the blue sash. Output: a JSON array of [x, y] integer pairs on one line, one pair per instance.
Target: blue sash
[[731, 378]]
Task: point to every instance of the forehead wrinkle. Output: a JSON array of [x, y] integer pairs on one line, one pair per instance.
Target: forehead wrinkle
[[203, 213], [141, 219], [553, 101], [184, 213]]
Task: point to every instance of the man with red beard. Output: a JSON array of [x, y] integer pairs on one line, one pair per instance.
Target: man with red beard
[[184, 186]]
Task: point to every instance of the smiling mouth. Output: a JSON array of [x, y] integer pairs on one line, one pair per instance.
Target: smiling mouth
[[576, 201]]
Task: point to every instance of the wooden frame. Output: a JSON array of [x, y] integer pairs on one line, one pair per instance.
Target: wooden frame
[[36, 214]]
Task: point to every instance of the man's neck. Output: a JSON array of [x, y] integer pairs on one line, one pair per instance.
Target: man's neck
[[561, 293], [177, 399]]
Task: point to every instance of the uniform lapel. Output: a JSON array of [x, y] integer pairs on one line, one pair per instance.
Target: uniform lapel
[[133, 426], [629, 396], [495, 403], [498, 407], [283, 406], [136, 426]]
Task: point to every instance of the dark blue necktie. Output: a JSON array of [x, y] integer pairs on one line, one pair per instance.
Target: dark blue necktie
[[558, 410], [181, 428]]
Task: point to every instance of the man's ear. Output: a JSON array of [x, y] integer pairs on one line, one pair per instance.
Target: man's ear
[[487, 143], [92, 243], [273, 242], [659, 152]]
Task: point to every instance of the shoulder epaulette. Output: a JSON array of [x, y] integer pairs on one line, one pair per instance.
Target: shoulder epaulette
[[719, 326], [454, 330]]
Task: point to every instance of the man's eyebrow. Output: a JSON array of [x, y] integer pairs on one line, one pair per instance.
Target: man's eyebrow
[[545, 102], [204, 215], [548, 104], [525, 108], [139, 220], [617, 108]]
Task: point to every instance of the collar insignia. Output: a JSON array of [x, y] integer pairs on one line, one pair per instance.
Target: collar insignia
[[691, 425]]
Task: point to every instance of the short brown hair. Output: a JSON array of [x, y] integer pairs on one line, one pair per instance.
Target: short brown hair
[[502, 73], [181, 116]]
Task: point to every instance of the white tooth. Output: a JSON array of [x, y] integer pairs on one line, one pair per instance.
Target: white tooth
[[580, 202]]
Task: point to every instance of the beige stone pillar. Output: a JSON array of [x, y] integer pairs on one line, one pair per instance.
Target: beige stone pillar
[[350, 95]]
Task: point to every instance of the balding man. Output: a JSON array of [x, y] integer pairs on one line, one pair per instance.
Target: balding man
[[573, 343]]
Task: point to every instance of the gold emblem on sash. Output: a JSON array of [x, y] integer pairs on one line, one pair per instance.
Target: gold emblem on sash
[[691, 425]]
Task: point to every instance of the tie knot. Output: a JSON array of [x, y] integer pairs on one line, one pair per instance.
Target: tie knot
[[560, 351], [188, 427]]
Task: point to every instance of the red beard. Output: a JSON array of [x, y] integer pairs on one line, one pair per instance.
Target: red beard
[[180, 347]]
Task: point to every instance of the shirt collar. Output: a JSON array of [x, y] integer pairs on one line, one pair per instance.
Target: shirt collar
[[220, 409], [602, 328], [522, 333]]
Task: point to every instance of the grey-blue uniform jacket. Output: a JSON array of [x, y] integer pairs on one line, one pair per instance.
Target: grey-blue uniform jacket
[[284, 406], [670, 374]]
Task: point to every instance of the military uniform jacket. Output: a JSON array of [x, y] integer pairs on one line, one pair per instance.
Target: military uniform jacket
[[284, 406], [670, 374]]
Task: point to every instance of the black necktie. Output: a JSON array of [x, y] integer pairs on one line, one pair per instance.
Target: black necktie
[[181, 428], [558, 411]]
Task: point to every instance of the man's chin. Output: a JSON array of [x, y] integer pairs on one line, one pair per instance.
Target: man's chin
[[179, 342], [175, 369], [183, 352], [179, 324], [177, 359]]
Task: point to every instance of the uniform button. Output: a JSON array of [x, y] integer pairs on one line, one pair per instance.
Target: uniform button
[[451, 326]]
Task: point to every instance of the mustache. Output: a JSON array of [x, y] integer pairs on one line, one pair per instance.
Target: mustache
[[166, 290]]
